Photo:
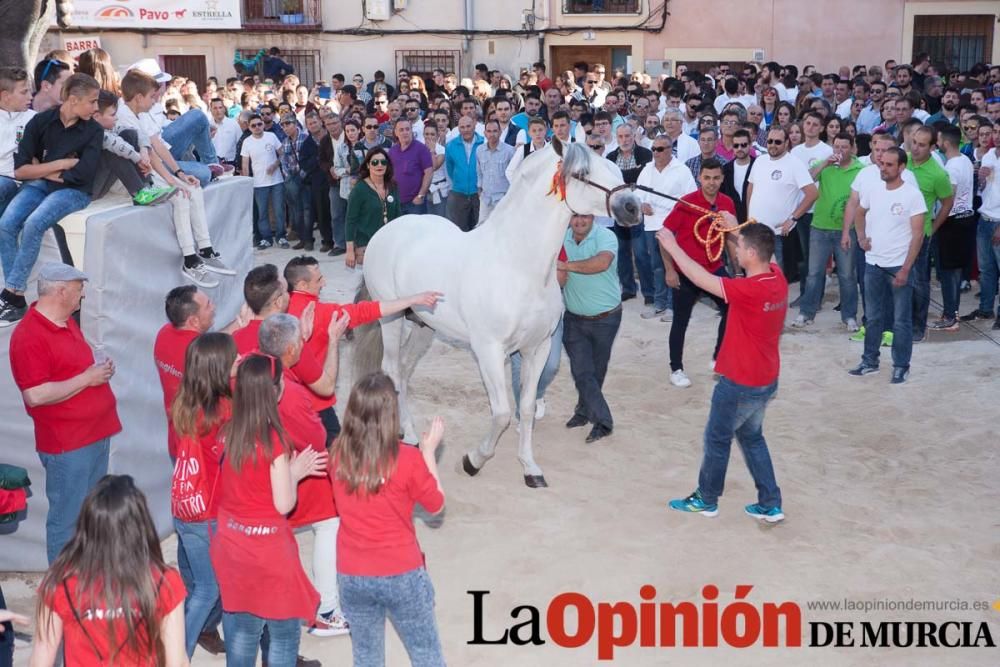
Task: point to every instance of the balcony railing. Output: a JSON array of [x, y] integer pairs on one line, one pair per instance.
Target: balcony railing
[[282, 14], [602, 6]]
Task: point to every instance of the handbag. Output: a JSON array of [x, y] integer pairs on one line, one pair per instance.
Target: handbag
[[190, 495]]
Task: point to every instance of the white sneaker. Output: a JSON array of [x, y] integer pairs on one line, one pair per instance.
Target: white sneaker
[[801, 321], [539, 408], [199, 276], [668, 316], [330, 624], [680, 379], [651, 313], [852, 325]]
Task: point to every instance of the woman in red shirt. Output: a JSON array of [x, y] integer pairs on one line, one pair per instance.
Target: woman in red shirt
[[380, 567], [109, 596], [254, 552], [199, 410]]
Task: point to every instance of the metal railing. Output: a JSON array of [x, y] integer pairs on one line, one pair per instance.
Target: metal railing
[[601, 6], [282, 14]]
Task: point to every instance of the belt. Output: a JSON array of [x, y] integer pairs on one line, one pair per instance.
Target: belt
[[443, 180], [963, 215], [599, 316]]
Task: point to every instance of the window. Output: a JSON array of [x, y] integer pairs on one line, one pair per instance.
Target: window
[[957, 41], [601, 6], [305, 61], [282, 14], [423, 63], [190, 67]]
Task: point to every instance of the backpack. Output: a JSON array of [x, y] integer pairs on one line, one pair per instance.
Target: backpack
[[190, 495]]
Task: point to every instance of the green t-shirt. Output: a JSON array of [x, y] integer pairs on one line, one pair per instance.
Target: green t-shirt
[[834, 191], [934, 184], [593, 293]]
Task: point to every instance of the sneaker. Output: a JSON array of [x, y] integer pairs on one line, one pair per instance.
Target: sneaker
[[859, 337], [216, 169], [801, 321], [336, 252], [150, 196], [668, 316], [862, 369], [680, 379], [949, 324], [263, 244], [539, 408], [283, 244], [199, 276], [652, 313], [299, 246], [852, 325], [899, 375], [977, 315], [887, 337], [11, 314], [695, 505], [770, 515], [330, 624], [966, 286], [214, 264]]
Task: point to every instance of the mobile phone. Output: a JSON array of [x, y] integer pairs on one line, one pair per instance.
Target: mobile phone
[[324, 92]]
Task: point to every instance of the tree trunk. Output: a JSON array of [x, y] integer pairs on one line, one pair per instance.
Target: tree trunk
[[24, 24]]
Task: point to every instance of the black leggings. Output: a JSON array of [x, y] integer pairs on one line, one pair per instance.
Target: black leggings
[[685, 297]]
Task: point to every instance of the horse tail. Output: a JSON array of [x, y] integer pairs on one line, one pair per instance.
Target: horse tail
[[367, 347]]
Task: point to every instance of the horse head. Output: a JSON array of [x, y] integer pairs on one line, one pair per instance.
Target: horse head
[[593, 187]]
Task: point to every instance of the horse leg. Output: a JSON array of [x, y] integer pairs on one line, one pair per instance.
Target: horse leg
[[532, 363], [492, 366], [413, 349]]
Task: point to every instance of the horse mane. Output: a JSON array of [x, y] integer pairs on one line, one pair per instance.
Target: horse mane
[[576, 160]]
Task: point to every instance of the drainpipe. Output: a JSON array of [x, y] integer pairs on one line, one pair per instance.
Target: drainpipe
[[466, 43]]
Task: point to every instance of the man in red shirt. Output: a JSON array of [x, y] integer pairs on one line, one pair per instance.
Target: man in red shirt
[[66, 393], [686, 293], [748, 363], [305, 281]]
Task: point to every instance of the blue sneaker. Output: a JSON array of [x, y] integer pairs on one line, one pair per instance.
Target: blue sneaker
[[695, 504], [772, 515]]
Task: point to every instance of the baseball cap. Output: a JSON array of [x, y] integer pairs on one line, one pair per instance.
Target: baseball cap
[[59, 272], [152, 68]]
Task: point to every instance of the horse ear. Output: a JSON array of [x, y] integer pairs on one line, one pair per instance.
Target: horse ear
[[557, 145]]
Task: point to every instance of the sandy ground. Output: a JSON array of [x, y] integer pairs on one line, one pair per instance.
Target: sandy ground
[[890, 493]]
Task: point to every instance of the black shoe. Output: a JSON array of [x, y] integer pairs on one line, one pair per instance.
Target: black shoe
[[597, 433], [862, 369], [11, 314], [299, 246], [647, 300], [899, 375], [977, 315], [337, 251], [628, 295], [325, 246], [309, 247], [577, 420]]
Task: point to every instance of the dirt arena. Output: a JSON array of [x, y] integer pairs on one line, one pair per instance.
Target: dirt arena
[[890, 494]]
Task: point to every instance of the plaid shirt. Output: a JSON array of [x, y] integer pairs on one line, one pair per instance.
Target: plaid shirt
[[694, 164], [290, 154]]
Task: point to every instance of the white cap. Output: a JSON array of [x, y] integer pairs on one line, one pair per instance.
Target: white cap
[[152, 68]]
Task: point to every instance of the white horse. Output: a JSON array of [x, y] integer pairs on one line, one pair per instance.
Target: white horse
[[499, 284]]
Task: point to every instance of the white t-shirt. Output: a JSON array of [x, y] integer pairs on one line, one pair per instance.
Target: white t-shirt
[[809, 156], [687, 148], [777, 185], [675, 180], [12, 126], [960, 173], [991, 188], [871, 176], [786, 94], [263, 153], [722, 100], [440, 186], [740, 174], [887, 222], [227, 133], [126, 119]]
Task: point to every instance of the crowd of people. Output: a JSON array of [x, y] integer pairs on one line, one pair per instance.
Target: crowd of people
[[878, 174]]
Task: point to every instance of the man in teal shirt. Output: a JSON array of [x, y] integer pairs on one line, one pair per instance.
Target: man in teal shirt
[[593, 315], [935, 186], [834, 175]]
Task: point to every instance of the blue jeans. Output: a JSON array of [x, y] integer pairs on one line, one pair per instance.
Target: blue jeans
[[779, 250], [549, 370], [859, 271], [804, 232], [440, 208], [662, 294], [338, 217], [408, 600], [822, 244], [920, 278], [37, 207], [191, 131], [203, 607], [989, 263], [888, 304], [275, 194], [738, 410], [69, 477], [951, 291], [8, 188], [633, 239], [243, 634], [297, 199], [410, 207]]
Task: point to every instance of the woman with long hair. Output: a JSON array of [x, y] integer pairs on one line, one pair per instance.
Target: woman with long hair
[[254, 552], [348, 158], [97, 63], [199, 411], [417, 83], [109, 598], [374, 202], [831, 128], [380, 568], [794, 135], [784, 115], [769, 102]]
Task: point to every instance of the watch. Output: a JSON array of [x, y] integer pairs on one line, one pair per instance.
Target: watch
[[178, 171]]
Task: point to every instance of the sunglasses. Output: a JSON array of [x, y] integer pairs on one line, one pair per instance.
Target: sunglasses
[[412, 109], [736, 145], [591, 80], [660, 149], [775, 142], [381, 102], [378, 162], [596, 147], [256, 124], [371, 127]]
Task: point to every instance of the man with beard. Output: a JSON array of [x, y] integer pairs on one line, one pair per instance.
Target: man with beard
[[949, 108]]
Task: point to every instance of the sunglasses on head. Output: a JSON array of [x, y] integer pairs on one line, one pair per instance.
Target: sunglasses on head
[[378, 162], [775, 142], [48, 65]]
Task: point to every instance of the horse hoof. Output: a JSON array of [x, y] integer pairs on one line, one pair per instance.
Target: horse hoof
[[467, 466], [536, 482]]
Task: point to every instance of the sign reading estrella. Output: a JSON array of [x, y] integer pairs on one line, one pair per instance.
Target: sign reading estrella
[[192, 15]]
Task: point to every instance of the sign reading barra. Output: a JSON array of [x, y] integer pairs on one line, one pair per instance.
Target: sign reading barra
[[191, 14]]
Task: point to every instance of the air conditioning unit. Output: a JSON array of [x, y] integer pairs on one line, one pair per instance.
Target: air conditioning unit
[[758, 55], [399, 5], [378, 10]]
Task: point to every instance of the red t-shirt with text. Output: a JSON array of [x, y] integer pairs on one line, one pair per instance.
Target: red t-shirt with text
[[757, 307]]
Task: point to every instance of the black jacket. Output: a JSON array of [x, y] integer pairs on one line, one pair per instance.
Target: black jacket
[[643, 156], [729, 188]]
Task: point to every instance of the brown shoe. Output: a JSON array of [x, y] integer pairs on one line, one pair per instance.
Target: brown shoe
[[212, 642], [309, 247], [299, 246]]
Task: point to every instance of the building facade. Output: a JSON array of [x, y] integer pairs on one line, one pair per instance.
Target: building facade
[[321, 37]]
